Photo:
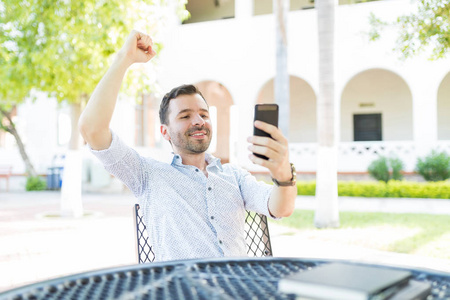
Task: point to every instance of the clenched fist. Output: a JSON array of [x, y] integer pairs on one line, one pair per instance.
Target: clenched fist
[[138, 48]]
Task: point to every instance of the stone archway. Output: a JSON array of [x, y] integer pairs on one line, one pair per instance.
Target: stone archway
[[219, 97], [443, 109], [302, 118], [378, 92]]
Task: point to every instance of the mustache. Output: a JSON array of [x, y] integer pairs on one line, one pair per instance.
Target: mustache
[[198, 128]]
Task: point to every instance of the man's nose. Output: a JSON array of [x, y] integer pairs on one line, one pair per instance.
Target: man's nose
[[198, 120]]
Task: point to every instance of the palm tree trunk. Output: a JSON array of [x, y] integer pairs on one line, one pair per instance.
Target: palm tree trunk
[[10, 127], [281, 84], [71, 203], [327, 212]]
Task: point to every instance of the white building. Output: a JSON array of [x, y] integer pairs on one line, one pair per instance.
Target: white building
[[384, 105]]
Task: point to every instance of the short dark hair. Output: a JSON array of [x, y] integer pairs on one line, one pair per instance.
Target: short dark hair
[[185, 89]]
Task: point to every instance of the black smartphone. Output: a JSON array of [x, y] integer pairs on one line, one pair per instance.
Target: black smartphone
[[267, 113]]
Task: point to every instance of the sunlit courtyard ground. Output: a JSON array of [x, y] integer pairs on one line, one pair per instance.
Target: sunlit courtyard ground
[[35, 246]]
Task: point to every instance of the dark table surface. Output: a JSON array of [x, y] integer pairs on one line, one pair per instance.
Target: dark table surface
[[240, 278]]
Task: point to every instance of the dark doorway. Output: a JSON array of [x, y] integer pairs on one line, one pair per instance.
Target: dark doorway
[[367, 127]]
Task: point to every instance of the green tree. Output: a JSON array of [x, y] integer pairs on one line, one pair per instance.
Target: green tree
[[63, 48], [426, 29]]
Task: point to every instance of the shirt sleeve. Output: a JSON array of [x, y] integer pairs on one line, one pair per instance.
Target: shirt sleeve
[[255, 193], [124, 163]]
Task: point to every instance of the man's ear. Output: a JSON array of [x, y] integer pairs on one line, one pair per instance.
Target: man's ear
[[165, 132]]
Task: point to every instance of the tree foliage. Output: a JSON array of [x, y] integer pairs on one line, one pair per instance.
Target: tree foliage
[[63, 47], [426, 29]]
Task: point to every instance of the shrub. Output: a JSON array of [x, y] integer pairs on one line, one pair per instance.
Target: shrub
[[385, 169], [418, 189], [35, 184], [306, 188], [392, 189], [434, 167], [379, 169], [362, 189], [396, 168]]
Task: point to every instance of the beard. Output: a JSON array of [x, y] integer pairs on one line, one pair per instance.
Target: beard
[[184, 142]]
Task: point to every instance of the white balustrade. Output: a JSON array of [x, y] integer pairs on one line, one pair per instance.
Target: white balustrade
[[357, 156]]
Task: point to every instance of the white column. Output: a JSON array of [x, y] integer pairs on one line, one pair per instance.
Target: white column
[[71, 204], [281, 84], [243, 9], [424, 117]]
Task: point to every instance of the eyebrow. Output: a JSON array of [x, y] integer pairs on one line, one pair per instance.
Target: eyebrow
[[191, 110]]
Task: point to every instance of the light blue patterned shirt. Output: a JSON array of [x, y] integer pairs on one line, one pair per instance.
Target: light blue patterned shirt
[[187, 214]]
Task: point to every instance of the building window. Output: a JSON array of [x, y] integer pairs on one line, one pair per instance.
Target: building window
[[202, 11], [367, 127]]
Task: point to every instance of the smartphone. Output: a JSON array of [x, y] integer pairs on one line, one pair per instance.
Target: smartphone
[[267, 113]]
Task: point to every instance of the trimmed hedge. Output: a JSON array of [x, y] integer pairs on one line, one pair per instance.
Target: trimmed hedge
[[380, 189]]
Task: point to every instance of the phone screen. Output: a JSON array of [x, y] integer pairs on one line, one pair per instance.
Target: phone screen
[[267, 113]]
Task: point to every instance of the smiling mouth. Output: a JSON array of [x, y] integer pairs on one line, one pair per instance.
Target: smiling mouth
[[198, 132], [198, 135]]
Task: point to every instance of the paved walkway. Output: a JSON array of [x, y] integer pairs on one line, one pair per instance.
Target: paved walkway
[[394, 205], [34, 247]]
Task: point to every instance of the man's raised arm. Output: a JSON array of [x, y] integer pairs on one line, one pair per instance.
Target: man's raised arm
[[95, 119]]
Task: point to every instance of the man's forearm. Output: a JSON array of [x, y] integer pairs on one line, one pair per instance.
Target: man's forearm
[[95, 119], [282, 201]]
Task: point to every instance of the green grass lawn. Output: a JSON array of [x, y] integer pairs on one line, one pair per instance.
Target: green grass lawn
[[422, 234]]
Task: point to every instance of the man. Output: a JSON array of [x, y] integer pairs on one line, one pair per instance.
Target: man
[[193, 207]]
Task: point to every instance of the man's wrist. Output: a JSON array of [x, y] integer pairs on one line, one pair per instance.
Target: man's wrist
[[122, 59], [291, 182]]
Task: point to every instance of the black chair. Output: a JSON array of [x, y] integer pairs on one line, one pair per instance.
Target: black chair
[[256, 236]]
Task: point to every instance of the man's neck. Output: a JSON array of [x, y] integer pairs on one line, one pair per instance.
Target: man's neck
[[197, 160]]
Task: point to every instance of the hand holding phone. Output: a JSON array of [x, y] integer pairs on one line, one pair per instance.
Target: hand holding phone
[[267, 113]]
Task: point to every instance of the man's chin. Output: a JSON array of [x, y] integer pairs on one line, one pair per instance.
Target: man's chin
[[199, 148]]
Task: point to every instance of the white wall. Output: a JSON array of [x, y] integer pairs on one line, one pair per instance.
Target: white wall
[[303, 117]]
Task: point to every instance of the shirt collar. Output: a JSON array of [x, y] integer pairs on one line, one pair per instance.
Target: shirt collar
[[209, 158], [176, 160], [213, 161]]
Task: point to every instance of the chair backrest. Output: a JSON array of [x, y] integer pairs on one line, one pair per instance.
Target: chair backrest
[[256, 236]]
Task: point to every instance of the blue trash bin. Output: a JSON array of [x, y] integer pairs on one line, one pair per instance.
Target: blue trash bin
[[54, 178], [60, 176], [49, 179], [54, 173]]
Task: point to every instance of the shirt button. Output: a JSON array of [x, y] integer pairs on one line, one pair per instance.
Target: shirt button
[[212, 217], [209, 188], [196, 170], [220, 242]]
